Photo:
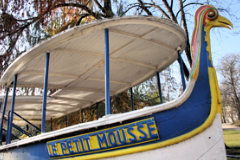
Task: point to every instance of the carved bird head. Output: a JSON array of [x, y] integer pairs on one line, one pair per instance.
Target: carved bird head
[[209, 16], [206, 17]]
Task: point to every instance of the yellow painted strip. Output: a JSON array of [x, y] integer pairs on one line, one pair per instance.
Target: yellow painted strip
[[79, 145], [215, 108]]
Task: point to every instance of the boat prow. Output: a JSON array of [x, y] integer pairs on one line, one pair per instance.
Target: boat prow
[[88, 64]]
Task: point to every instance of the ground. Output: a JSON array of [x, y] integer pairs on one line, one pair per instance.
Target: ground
[[232, 141]]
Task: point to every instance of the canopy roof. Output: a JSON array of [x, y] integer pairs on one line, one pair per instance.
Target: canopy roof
[[139, 47]]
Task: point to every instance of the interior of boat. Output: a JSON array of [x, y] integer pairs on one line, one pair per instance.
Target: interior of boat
[[141, 49]]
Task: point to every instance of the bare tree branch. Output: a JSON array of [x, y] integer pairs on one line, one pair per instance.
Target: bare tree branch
[[130, 7], [108, 8], [144, 7], [82, 16], [188, 5], [171, 6], [183, 18], [170, 11], [229, 69], [100, 6], [160, 9], [83, 7]]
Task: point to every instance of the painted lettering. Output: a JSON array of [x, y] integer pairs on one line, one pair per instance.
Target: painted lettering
[[87, 141], [124, 140], [112, 139], [54, 149], [102, 140], [139, 127], [134, 138], [63, 147], [151, 129], [128, 134], [82, 145], [76, 144], [69, 145]]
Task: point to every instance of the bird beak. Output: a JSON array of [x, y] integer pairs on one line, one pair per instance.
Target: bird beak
[[223, 22]]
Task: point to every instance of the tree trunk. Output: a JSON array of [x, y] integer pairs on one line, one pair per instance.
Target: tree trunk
[[108, 8]]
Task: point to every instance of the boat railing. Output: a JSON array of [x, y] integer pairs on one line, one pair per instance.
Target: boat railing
[[16, 127], [38, 129], [5, 133], [107, 93]]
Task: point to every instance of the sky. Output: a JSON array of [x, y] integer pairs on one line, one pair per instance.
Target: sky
[[225, 41]]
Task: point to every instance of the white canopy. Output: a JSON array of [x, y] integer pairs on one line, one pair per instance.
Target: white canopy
[[139, 47]]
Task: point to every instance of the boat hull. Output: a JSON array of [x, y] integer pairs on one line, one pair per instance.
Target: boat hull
[[208, 144]]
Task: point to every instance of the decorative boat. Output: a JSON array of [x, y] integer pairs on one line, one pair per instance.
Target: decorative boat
[[88, 64]]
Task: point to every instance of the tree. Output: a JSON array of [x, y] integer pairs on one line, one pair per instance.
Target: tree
[[230, 83], [25, 23]]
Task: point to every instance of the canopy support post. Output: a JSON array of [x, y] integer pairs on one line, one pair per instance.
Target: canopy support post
[[3, 114], [12, 110], [180, 61], [132, 99], [43, 129], [97, 108], [159, 87], [51, 124], [8, 117], [27, 121], [111, 105], [66, 119], [82, 115], [107, 85]]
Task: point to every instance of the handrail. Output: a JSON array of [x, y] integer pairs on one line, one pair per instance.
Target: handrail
[[3, 113], [11, 134], [19, 129], [12, 110], [180, 61], [27, 121]]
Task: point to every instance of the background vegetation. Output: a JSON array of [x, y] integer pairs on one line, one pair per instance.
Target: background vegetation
[[24, 23]]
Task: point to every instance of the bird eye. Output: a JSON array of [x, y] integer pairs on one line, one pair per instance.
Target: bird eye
[[211, 15]]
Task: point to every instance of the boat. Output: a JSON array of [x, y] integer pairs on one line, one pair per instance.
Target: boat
[[90, 63]]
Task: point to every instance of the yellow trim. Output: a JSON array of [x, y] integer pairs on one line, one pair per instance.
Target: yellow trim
[[219, 101], [212, 72], [104, 129], [215, 106], [118, 147]]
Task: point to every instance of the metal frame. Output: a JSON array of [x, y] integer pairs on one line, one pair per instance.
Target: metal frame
[[159, 87], [66, 120], [43, 127], [14, 136], [12, 110], [27, 121], [51, 124], [3, 114], [82, 115], [111, 107], [97, 108], [180, 61], [107, 77], [132, 99], [18, 128]]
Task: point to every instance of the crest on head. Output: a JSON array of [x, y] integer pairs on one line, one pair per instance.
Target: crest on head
[[206, 17]]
